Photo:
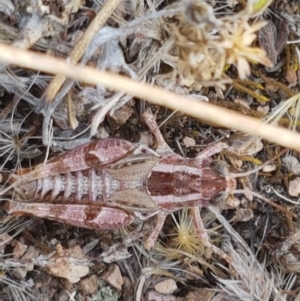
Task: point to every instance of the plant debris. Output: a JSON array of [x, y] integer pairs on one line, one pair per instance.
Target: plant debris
[[240, 55]]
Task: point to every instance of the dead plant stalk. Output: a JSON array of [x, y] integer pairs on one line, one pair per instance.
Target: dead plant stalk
[[80, 48], [201, 110]]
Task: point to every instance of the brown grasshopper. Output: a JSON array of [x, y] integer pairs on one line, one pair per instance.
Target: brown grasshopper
[[111, 183]]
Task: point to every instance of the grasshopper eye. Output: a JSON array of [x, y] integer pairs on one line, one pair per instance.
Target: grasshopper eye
[[220, 167]]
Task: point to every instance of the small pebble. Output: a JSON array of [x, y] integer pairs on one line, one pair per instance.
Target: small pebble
[[113, 276], [166, 287]]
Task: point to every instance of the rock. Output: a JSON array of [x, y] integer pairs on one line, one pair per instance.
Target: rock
[[120, 116], [113, 276], [232, 202], [101, 133], [294, 187], [70, 264], [188, 142], [19, 250], [30, 254], [201, 294], [243, 215], [128, 289], [166, 287], [146, 138], [70, 287], [62, 295], [247, 145], [292, 164], [89, 285], [5, 238], [19, 273], [154, 296], [269, 168], [263, 109]]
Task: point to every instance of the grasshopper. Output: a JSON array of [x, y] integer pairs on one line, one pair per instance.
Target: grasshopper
[[111, 183]]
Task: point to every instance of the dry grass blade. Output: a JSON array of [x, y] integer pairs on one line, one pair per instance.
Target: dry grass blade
[[155, 95], [244, 287], [16, 291], [246, 90], [291, 108], [79, 49], [15, 225]]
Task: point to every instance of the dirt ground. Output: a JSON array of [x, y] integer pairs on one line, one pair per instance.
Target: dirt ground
[[240, 55]]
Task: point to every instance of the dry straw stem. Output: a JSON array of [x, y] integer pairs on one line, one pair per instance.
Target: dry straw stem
[[201, 110], [80, 48]]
